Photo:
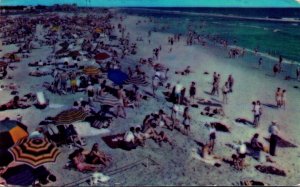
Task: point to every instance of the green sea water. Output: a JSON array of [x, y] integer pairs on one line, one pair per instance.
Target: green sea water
[[272, 38]]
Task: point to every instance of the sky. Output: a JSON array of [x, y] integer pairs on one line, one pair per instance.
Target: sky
[[162, 3]]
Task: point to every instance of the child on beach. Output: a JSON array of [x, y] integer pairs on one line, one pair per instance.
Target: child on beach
[[283, 99]]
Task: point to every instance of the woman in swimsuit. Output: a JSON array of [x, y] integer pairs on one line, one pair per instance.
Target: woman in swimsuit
[[186, 120]]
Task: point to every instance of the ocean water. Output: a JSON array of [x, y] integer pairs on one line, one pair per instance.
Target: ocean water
[[245, 28]]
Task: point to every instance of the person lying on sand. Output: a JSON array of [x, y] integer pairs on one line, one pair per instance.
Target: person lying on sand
[[39, 73], [79, 160], [38, 63], [186, 71], [16, 103], [95, 156], [213, 111]]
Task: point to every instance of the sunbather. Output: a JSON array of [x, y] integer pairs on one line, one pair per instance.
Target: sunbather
[[95, 156]]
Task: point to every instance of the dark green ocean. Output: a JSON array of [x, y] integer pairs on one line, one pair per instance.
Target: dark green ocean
[[273, 31]]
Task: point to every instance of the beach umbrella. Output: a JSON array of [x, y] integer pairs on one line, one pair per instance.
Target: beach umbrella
[[70, 116], [11, 131], [107, 100], [21, 175], [102, 56], [3, 64], [35, 152], [137, 81], [117, 76], [91, 70]]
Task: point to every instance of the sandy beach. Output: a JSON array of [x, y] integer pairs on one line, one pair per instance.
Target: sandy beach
[[178, 166]]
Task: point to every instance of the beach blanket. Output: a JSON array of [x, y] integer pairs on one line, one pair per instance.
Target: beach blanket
[[113, 142], [282, 142], [270, 170]]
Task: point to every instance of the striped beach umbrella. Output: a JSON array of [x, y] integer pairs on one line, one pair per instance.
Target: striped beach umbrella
[[11, 131], [70, 116], [137, 81], [3, 64], [35, 152], [108, 100], [91, 70], [102, 56]]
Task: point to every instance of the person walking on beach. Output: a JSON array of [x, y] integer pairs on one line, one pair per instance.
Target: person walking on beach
[[274, 131], [278, 97], [225, 91], [230, 81], [257, 111]]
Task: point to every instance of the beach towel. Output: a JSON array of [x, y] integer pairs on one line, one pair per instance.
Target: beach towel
[[113, 142]]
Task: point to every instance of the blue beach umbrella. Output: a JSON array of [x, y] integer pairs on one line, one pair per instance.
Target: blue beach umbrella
[[118, 77]]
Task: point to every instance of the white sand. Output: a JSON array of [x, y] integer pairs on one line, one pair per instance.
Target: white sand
[[176, 166]]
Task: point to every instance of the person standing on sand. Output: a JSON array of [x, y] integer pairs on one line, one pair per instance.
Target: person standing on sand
[[283, 98], [230, 81], [186, 120], [225, 91], [278, 97], [121, 97], [274, 131], [212, 137], [257, 111], [178, 88], [192, 91]]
